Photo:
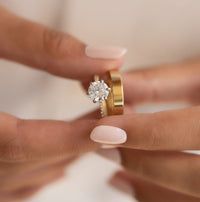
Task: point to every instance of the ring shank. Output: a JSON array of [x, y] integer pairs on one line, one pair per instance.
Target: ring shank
[[115, 101]]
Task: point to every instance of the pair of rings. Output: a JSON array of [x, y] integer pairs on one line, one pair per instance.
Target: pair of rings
[[108, 93]]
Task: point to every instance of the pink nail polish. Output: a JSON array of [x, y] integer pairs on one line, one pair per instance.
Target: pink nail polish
[[105, 52], [108, 135]]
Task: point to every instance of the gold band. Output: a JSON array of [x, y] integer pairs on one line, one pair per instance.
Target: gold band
[[115, 101], [103, 108]]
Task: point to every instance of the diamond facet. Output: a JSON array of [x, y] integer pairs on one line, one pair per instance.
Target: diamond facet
[[98, 91]]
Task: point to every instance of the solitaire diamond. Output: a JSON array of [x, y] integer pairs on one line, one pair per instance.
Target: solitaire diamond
[[98, 91]]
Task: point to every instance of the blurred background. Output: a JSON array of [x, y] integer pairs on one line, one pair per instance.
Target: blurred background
[[154, 32]]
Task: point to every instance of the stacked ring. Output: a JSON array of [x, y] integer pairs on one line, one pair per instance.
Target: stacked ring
[[108, 94]]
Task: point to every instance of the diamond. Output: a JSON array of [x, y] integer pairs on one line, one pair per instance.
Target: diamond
[[98, 91]]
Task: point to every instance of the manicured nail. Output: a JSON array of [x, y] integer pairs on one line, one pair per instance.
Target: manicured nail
[[105, 52], [108, 135], [110, 154]]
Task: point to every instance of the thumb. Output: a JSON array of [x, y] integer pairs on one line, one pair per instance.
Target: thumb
[[58, 53]]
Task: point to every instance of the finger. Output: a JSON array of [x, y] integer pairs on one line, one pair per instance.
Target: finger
[[97, 115], [91, 115], [35, 177], [28, 190], [173, 170], [58, 53], [23, 194], [172, 82], [42, 139], [9, 170], [146, 191], [167, 130]]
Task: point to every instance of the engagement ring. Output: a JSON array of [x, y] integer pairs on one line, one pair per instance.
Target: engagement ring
[[108, 94]]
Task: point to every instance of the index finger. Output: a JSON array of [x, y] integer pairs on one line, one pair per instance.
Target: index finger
[[35, 139], [53, 51]]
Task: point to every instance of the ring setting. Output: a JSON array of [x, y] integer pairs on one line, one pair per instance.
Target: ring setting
[[98, 91]]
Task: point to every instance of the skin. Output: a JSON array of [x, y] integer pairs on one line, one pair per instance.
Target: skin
[[34, 153], [146, 191], [152, 152], [29, 149]]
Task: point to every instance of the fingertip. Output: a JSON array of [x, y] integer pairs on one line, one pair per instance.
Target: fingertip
[[101, 59]]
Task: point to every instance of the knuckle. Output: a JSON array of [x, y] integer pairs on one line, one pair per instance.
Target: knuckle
[[53, 43], [153, 88], [156, 132], [12, 148]]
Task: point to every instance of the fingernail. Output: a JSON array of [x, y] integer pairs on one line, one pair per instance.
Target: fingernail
[[105, 52], [108, 135], [110, 154]]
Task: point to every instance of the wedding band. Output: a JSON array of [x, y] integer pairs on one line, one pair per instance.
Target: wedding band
[[115, 101], [108, 94]]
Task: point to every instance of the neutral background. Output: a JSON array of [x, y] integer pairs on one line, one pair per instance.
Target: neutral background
[[153, 31]]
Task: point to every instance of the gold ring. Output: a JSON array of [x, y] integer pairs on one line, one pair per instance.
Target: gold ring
[[109, 94], [115, 101]]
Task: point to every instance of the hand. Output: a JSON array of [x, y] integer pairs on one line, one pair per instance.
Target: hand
[[146, 191], [35, 152], [55, 52], [150, 144]]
